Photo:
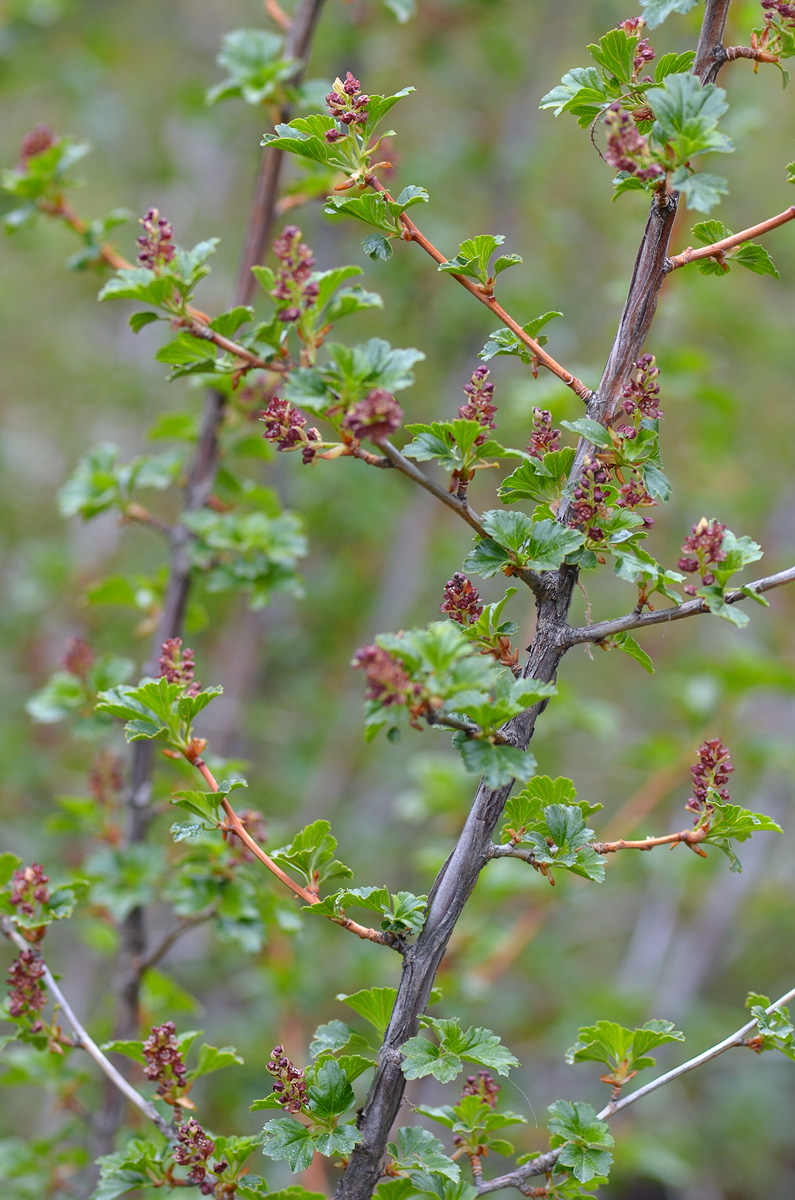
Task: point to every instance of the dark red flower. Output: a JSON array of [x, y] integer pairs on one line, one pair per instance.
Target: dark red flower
[[156, 241], [177, 665], [461, 600], [543, 437], [374, 417]]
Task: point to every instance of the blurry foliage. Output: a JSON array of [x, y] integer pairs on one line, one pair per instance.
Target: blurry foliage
[[662, 939]]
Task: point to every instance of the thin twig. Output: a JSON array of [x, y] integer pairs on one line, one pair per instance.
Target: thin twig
[[734, 52], [86, 1042], [545, 1162], [172, 935], [460, 507], [237, 827], [691, 608], [544, 359], [719, 248]]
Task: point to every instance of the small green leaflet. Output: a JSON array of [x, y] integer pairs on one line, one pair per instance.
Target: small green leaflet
[[655, 11], [582, 1137], [375, 1004], [456, 1046]]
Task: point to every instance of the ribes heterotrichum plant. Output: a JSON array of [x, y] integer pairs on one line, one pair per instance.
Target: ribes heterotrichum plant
[[570, 493]]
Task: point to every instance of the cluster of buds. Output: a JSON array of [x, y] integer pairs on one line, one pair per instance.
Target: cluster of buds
[[27, 996], [483, 1085], [35, 142], [461, 602], [778, 8], [387, 681], [347, 104], [77, 658], [479, 406], [641, 395], [710, 774], [293, 284], [627, 149], [156, 241], [643, 51], [285, 427], [288, 1081], [589, 499], [163, 1061], [543, 438], [374, 417], [702, 548], [634, 495], [177, 665], [29, 889], [192, 1150]]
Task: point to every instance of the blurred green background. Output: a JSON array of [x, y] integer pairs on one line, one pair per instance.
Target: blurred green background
[[667, 935]]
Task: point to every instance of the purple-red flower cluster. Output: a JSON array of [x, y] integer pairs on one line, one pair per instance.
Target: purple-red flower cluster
[[177, 665], [293, 283], [703, 547], [628, 150], [710, 773], [387, 681], [156, 241], [643, 51], [479, 406], [374, 417], [36, 141], [483, 1085], [289, 1083], [26, 996], [634, 495], [641, 395], [285, 427], [461, 600], [347, 104], [589, 499], [77, 657], [779, 8], [163, 1060], [29, 888], [192, 1150], [543, 438]]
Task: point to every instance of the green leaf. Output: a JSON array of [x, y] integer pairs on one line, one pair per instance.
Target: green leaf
[[655, 11], [627, 643], [255, 66], [305, 138], [505, 341], [311, 853], [285, 1138], [404, 10], [376, 246], [473, 256], [138, 320], [213, 1058], [539, 480], [331, 1037], [592, 431], [616, 54], [417, 1148], [702, 191], [624, 1051], [755, 258], [498, 764], [673, 64], [375, 1004], [330, 1095], [582, 1135]]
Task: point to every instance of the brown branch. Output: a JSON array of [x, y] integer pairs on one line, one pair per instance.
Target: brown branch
[[460, 507], [691, 608], [85, 1041], [718, 248], [236, 826], [173, 935], [689, 837], [413, 234], [142, 516], [709, 51]]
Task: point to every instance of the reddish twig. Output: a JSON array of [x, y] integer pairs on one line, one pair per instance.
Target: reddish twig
[[734, 52], [690, 837], [718, 248], [236, 826], [413, 234]]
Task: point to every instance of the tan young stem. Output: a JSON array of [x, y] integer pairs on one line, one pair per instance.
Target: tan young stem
[[734, 52], [545, 1162], [736, 239], [544, 359], [84, 1039], [237, 827], [691, 608], [690, 837]]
